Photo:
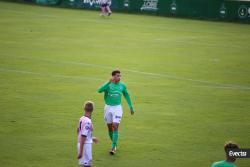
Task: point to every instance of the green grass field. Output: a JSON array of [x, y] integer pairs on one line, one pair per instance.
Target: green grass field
[[189, 80]]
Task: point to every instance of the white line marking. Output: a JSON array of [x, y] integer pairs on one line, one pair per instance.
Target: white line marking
[[51, 75], [214, 84], [169, 76], [218, 87], [61, 76]]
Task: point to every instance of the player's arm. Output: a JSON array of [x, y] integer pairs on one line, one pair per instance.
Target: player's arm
[[104, 87], [128, 99], [82, 141]]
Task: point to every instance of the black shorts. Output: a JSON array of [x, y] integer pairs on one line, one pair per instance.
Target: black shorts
[[104, 5]]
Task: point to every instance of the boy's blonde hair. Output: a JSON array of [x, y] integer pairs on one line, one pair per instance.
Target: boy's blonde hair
[[88, 106]]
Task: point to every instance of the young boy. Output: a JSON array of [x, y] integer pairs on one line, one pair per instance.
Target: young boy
[[85, 139]]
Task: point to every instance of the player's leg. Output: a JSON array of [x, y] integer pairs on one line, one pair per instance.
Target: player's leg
[[103, 10], [115, 135], [87, 155], [108, 10], [117, 116], [82, 160], [110, 131], [108, 119], [115, 138]]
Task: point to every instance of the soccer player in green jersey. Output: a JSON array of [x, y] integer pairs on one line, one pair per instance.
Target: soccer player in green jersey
[[113, 91], [229, 162]]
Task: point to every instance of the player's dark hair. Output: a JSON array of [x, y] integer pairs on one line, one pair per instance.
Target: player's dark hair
[[230, 145], [115, 72], [89, 106]]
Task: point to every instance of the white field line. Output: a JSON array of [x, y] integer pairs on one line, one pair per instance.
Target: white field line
[[219, 87], [157, 75], [209, 83], [97, 79], [3, 70], [59, 75], [50, 75]]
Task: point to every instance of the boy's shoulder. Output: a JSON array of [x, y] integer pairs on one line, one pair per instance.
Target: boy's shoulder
[[85, 119]]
